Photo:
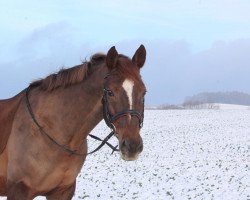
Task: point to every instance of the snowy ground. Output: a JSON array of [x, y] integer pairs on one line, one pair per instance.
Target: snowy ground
[[188, 154]]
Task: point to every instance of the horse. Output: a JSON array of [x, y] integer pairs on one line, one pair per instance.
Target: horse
[[44, 128]]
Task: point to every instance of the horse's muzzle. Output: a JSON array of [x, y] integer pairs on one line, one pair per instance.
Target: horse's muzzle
[[130, 149]]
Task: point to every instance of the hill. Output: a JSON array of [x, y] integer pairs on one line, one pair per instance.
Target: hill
[[238, 98]]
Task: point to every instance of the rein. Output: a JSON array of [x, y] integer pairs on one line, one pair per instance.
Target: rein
[[64, 147]]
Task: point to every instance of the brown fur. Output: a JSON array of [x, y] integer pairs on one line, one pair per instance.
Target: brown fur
[[68, 106], [19, 191], [7, 113], [3, 185]]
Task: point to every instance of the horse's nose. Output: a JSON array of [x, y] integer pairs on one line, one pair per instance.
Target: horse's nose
[[131, 146]]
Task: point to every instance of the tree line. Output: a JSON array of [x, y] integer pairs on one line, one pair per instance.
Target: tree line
[[210, 98]]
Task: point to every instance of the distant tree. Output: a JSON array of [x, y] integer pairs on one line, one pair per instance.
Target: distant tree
[[169, 107], [239, 98]]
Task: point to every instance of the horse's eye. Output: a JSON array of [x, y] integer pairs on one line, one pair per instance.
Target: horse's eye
[[110, 93]]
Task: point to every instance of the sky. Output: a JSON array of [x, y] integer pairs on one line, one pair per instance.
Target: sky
[[192, 45]]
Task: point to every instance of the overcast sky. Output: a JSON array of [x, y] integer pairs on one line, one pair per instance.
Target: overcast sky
[[193, 45]]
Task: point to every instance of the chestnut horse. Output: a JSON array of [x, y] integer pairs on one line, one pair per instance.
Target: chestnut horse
[[43, 129]]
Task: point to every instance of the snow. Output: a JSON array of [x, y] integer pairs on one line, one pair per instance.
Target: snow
[[188, 154]]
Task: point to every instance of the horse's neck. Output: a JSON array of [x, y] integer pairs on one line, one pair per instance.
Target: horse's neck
[[69, 114]]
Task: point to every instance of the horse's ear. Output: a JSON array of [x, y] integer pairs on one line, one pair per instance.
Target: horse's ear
[[112, 57], [140, 56]]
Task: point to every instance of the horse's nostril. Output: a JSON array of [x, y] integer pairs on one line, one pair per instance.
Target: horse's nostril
[[126, 143], [130, 146]]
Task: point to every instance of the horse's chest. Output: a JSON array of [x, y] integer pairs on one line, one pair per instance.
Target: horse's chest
[[63, 174], [67, 173]]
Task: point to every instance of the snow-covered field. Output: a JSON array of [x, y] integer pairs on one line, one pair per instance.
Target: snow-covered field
[[188, 154]]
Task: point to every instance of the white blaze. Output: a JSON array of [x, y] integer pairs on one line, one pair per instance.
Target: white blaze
[[128, 87]]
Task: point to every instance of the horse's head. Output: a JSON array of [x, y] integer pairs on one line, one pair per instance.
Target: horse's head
[[123, 100]]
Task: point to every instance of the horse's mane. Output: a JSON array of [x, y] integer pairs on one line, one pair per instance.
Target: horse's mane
[[69, 76], [76, 74]]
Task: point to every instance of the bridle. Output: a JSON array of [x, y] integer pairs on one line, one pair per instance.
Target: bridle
[[108, 118]]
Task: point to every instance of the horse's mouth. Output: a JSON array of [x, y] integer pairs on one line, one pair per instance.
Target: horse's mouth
[[127, 157]]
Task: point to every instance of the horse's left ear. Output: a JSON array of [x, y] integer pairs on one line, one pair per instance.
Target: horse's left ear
[[140, 56], [111, 58]]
